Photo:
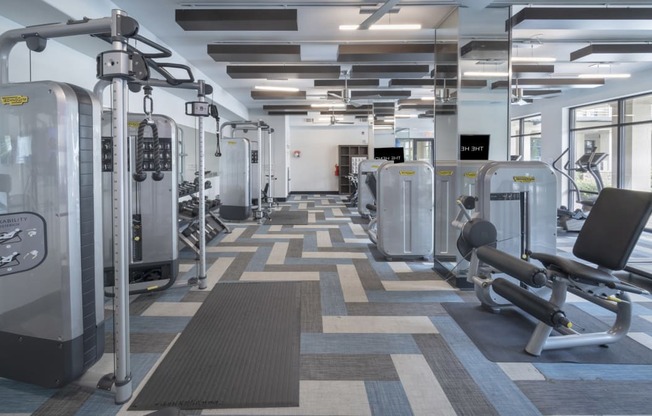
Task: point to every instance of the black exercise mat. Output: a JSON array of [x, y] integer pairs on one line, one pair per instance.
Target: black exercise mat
[[502, 337], [241, 349], [288, 218]]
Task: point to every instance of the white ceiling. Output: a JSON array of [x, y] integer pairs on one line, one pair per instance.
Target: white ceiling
[[318, 34]]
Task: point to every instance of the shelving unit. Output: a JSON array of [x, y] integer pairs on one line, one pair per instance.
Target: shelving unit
[[345, 153]]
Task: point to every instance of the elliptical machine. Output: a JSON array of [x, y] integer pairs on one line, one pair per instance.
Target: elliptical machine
[[588, 163]]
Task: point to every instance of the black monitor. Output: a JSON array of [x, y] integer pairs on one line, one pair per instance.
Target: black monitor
[[395, 154], [474, 147]]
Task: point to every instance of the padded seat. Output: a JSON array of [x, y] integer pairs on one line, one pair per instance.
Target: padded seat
[[607, 239]]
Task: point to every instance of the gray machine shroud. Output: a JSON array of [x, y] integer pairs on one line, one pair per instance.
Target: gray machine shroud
[[154, 253], [235, 174], [51, 292], [405, 201]]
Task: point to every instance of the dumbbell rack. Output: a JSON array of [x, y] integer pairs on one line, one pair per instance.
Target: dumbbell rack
[[189, 232]]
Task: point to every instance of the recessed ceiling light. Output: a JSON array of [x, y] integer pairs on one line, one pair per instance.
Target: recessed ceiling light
[[405, 116], [485, 74], [327, 105], [533, 59], [604, 75], [384, 27], [431, 98], [272, 88]]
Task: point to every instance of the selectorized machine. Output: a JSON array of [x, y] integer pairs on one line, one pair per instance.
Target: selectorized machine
[[405, 209], [452, 178], [153, 202], [235, 174], [51, 287], [515, 223], [366, 195], [603, 245]]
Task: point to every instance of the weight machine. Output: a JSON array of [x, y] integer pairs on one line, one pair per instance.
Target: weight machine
[[405, 210], [60, 253], [243, 168], [604, 245]]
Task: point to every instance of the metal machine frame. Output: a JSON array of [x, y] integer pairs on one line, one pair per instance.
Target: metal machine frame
[[257, 191], [604, 245], [154, 253]]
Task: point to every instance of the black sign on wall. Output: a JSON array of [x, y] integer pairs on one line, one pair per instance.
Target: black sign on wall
[[474, 147], [394, 154]]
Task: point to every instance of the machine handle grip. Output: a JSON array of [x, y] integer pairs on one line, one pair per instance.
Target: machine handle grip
[[139, 175]]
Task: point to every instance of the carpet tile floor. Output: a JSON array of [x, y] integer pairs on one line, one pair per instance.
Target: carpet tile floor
[[375, 338]]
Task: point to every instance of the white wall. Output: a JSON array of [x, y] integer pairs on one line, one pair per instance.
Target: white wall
[[314, 170]]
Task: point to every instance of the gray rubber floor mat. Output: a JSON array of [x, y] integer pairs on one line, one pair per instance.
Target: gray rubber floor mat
[[241, 349]]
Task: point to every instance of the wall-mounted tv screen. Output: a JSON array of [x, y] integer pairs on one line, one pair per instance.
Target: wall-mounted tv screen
[[395, 154], [474, 147]]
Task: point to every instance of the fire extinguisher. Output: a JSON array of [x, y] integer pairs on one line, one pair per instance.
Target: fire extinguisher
[[337, 170]]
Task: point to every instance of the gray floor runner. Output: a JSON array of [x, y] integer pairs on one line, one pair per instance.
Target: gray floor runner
[[241, 349], [502, 337], [288, 218]]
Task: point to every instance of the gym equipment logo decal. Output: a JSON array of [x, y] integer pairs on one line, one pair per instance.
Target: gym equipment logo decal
[[14, 99], [524, 179]]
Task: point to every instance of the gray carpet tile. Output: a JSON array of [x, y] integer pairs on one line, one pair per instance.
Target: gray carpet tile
[[349, 344], [418, 276], [359, 220], [377, 367], [301, 268], [367, 274], [143, 302], [142, 342], [589, 397], [257, 243], [387, 398], [395, 309], [237, 267], [342, 249], [311, 320], [249, 232], [66, 401], [195, 296], [288, 218], [22, 398], [336, 235], [295, 248], [320, 216], [460, 388]]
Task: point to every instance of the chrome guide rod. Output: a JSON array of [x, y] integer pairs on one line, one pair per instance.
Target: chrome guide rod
[[260, 168], [269, 167], [121, 229], [202, 192]]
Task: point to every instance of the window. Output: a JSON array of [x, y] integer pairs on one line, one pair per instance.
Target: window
[[525, 140], [619, 134]]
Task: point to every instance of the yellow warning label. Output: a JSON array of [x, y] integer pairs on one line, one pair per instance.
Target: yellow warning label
[[232, 142], [374, 166], [471, 175], [406, 172], [14, 99], [524, 179], [133, 124], [445, 173]]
